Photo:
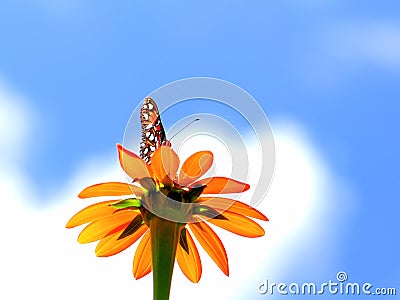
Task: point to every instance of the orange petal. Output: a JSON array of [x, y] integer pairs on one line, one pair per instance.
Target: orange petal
[[238, 224], [221, 185], [225, 204], [110, 189], [165, 163], [132, 164], [212, 244], [142, 259], [103, 227], [189, 263], [91, 213], [195, 166], [111, 245]]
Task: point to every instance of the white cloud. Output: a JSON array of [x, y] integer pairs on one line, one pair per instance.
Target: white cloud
[[372, 42], [60, 7], [342, 49], [16, 122], [41, 259]]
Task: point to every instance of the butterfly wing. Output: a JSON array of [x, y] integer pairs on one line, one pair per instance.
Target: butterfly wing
[[153, 134]]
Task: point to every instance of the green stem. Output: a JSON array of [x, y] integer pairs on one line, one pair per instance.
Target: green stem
[[164, 240]]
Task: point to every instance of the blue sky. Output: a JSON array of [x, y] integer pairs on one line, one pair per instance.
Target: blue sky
[[80, 68]]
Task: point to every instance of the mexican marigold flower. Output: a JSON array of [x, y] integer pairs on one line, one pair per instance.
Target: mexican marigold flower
[[166, 207]]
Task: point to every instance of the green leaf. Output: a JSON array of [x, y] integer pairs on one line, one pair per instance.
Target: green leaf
[[133, 226], [127, 203]]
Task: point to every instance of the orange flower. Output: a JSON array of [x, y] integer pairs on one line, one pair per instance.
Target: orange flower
[[160, 192]]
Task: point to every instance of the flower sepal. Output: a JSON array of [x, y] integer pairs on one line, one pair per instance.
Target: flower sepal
[[133, 226], [192, 194], [208, 212], [169, 207]]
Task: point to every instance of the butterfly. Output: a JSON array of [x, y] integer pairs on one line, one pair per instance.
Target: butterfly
[[153, 133]]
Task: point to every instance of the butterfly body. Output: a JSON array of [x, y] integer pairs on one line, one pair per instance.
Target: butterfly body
[[153, 133]]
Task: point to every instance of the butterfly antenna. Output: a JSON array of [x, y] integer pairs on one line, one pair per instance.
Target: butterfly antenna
[[184, 128]]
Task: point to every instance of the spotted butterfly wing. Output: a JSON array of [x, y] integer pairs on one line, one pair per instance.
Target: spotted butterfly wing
[[153, 134]]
